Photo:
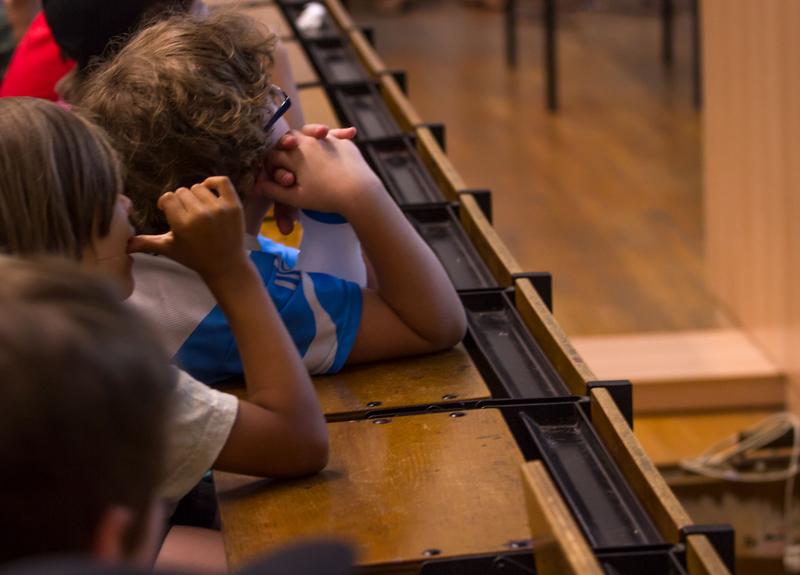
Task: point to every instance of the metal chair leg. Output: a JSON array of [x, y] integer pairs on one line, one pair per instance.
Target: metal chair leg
[[550, 54]]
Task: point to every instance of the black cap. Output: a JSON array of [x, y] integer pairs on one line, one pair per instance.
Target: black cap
[[84, 28]]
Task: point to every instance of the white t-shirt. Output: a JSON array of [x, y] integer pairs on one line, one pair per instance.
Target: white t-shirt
[[199, 427]]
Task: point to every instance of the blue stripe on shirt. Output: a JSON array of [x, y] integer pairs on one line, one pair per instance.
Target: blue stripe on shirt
[[210, 355]]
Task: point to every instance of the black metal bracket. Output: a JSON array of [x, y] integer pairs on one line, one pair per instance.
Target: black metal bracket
[[369, 34], [721, 536], [438, 131], [520, 563], [484, 199], [542, 283], [621, 392], [401, 77]]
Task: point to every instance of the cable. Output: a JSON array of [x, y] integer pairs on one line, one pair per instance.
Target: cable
[[719, 460]]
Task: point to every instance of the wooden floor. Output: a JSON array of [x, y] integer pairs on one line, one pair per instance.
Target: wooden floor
[[606, 194]]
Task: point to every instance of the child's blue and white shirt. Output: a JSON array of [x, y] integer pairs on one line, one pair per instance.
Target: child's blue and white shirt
[[322, 313]]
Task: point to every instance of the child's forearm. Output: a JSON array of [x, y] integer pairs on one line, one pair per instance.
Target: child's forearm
[[410, 278], [275, 376]]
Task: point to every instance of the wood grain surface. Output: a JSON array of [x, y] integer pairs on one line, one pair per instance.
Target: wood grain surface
[[417, 483], [440, 167], [446, 376], [398, 104], [701, 558], [653, 492], [489, 245], [366, 53], [554, 342], [751, 128]]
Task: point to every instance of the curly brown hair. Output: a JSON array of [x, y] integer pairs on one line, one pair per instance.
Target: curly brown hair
[[184, 100]]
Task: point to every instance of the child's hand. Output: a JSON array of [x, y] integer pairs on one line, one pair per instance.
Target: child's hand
[[331, 175], [206, 229], [286, 216], [289, 141]]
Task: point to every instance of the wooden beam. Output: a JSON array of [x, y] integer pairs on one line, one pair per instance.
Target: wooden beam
[[398, 104], [366, 53], [650, 487], [554, 342], [488, 243], [559, 546], [443, 172], [701, 558]]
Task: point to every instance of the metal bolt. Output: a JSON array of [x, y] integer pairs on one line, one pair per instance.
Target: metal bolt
[[431, 552], [449, 396], [374, 403], [381, 421], [457, 414], [518, 544]]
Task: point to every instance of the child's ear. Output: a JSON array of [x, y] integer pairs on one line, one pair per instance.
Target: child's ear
[[110, 534]]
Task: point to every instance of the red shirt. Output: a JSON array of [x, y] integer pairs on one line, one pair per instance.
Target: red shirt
[[37, 64]]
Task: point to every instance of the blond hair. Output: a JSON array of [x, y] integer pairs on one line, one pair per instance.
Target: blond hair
[[59, 179], [184, 100]]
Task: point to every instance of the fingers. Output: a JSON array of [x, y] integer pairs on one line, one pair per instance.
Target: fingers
[[159, 244], [318, 131], [287, 142], [223, 186], [285, 216], [283, 177], [344, 133], [280, 193], [279, 160]]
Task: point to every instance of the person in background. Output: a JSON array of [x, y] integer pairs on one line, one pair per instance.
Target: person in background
[[207, 87], [84, 417], [7, 40], [70, 37], [61, 194], [20, 14]]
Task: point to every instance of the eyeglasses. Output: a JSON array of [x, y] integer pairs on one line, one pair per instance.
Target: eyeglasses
[[280, 103]]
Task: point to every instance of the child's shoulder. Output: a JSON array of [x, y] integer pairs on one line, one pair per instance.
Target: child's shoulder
[[287, 256]]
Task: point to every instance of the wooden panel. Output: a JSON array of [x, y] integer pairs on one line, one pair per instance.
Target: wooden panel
[[492, 249], [751, 129], [559, 546], [669, 438], [544, 327], [645, 480], [438, 164], [317, 108], [446, 376], [398, 104], [272, 16], [302, 70], [395, 490], [701, 558], [366, 53], [687, 370]]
